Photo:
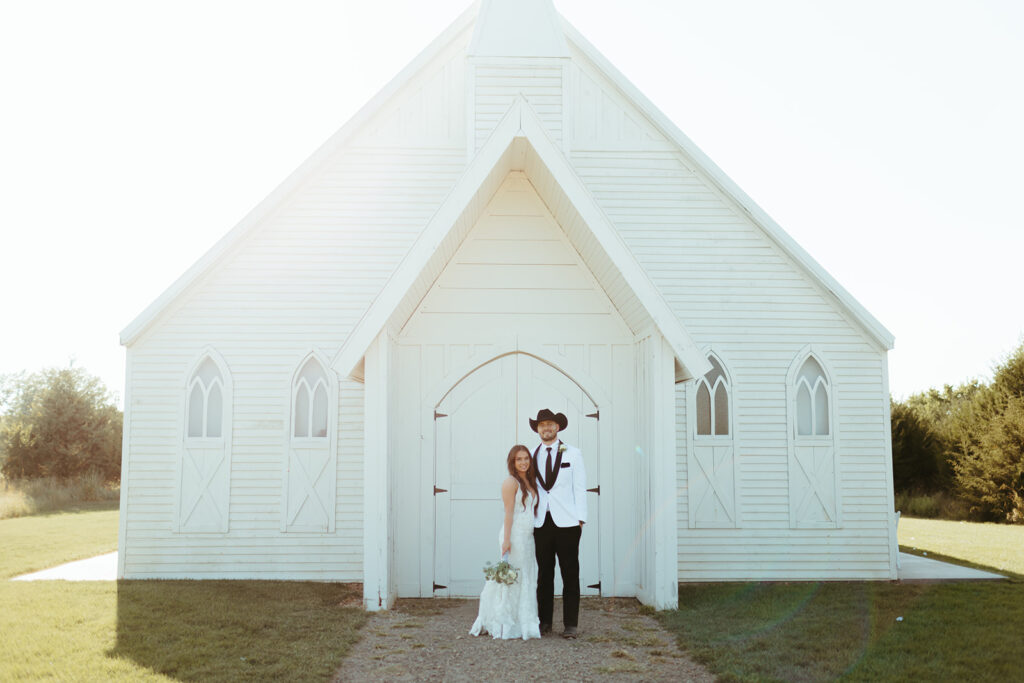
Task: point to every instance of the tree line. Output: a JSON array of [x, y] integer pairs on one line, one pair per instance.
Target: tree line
[[965, 443], [59, 423]]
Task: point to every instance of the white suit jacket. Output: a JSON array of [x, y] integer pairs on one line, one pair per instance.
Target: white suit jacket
[[567, 500]]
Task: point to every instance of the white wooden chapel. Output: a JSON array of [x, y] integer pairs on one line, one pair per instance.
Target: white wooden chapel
[[330, 392]]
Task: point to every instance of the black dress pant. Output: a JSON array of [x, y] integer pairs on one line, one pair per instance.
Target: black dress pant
[[554, 541]]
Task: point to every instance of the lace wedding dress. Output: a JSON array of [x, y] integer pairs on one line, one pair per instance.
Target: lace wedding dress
[[511, 611]]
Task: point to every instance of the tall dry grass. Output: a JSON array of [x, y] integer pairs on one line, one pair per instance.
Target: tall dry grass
[[33, 496]]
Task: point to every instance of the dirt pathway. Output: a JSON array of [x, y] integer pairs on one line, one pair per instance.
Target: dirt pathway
[[428, 640]]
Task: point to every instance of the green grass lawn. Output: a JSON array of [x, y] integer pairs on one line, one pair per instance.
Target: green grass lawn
[[255, 630], [868, 631], [998, 547], [49, 539], [158, 630]]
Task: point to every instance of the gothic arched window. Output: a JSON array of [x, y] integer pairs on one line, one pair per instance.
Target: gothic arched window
[[311, 401], [713, 401], [812, 400], [206, 402], [204, 478]]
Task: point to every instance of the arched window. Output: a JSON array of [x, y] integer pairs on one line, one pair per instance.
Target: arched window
[[711, 464], [713, 401], [311, 461], [812, 400], [204, 469], [311, 402], [206, 402], [813, 444]]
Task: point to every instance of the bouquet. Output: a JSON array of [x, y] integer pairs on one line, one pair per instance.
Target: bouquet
[[502, 572]]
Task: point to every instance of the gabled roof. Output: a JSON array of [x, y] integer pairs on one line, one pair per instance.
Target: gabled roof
[[254, 218], [728, 188], [489, 42], [520, 142]]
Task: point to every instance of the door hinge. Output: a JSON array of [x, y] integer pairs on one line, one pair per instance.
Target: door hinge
[[596, 489], [437, 490], [438, 586], [437, 415], [595, 585], [596, 416]]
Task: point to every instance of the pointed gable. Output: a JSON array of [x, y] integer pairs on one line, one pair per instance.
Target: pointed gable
[[530, 31], [520, 143]]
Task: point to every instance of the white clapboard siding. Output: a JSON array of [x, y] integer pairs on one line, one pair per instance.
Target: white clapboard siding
[[497, 86], [488, 289], [598, 119], [300, 278], [430, 111], [297, 283], [261, 413], [732, 286]]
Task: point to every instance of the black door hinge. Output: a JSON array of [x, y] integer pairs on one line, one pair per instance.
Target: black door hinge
[[437, 490], [596, 489], [596, 416]]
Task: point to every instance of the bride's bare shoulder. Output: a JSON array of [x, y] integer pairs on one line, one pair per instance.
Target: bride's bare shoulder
[[510, 484]]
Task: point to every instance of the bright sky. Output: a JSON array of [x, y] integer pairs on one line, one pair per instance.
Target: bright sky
[[885, 136]]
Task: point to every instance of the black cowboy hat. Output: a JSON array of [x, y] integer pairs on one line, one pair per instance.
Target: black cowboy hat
[[546, 414]]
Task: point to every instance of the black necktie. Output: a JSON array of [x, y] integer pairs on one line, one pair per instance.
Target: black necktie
[[547, 469]]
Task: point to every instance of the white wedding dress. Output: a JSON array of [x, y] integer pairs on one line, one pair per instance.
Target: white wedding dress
[[511, 611]]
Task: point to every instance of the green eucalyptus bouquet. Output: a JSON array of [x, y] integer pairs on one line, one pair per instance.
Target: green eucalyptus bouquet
[[502, 572]]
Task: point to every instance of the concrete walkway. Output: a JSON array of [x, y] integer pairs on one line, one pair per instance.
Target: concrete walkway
[[917, 568], [912, 568], [99, 568]]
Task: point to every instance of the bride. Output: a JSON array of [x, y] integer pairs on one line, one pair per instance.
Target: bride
[[511, 611]]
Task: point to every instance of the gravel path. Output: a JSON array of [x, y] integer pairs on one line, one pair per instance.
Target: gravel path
[[428, 640]]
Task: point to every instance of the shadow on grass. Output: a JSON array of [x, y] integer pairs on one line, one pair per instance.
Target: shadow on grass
[[237, 630], [868, 631]]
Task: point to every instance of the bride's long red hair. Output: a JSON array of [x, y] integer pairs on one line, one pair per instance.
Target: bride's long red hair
[[527, 484]]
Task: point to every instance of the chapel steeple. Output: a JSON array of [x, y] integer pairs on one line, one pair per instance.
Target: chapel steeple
[[518, 28]]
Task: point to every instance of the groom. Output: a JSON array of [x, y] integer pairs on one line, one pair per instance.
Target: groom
[[558, 522]]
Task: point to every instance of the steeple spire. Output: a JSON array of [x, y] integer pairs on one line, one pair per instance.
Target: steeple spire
[[518, 28]]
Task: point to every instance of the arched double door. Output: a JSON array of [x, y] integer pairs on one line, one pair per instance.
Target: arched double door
[[476, 424]]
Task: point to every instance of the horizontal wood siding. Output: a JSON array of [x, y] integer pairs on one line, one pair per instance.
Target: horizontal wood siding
[[516, 273], [586, 244], [496, 87], [430, 111], [733, 288], [297, 283], [253, 546]]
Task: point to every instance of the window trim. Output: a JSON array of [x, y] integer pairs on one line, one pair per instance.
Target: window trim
[[794, 439], [329, 442], [222, 443], [730, 439]]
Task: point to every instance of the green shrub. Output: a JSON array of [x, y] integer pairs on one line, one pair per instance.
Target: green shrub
[[32, 496], [966, 441], [935, 505], [918, 453], [991, 474], [59, 423]]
